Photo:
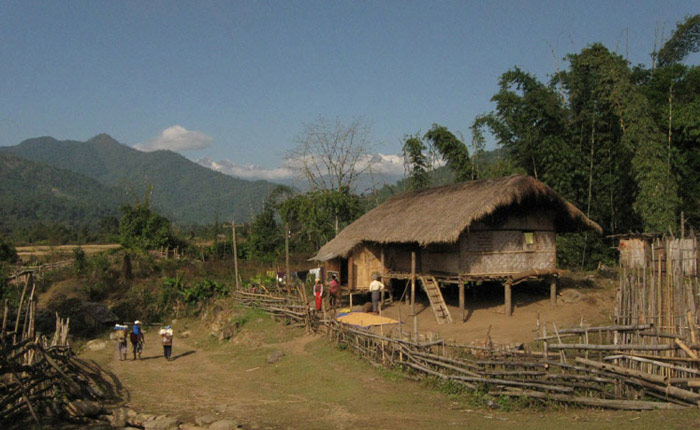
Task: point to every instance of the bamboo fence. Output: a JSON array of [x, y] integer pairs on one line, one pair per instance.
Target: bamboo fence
[[633, 364]]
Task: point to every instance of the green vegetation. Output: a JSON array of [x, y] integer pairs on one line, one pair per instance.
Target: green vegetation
[[182, 190], [142, 228], [42, 203]]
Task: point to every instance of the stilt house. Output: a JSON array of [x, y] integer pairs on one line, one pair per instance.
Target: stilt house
[[489, 230]]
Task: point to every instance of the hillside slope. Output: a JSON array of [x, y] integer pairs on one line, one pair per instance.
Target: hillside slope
[[32, 192], [182, 189]]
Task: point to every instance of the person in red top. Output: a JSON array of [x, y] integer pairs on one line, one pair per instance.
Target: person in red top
[[318, 294], [334, 292]]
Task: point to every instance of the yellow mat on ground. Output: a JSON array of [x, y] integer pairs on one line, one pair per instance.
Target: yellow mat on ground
[[364, 319]]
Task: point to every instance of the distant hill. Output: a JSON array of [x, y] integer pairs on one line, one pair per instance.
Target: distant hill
[[182, 190], [33, 192]]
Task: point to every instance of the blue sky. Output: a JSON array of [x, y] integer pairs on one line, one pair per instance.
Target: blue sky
[[238, 79]]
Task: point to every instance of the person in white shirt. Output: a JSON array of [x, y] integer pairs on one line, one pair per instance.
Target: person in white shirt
[[375, 288]]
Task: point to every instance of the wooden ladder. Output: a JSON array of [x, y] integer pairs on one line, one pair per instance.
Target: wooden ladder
[[437, 302]]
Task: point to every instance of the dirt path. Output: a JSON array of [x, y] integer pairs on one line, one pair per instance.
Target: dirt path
[[316, 386]]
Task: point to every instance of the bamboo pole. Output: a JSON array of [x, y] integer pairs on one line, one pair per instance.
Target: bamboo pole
[[235, 253], [413, 295], [286, 253]]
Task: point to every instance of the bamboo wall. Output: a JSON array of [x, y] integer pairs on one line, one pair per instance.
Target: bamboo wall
[[664, 291]]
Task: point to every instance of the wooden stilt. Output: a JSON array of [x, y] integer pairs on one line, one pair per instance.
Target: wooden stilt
[[553, 290], [413, 295], [461, 299], [509, 308]]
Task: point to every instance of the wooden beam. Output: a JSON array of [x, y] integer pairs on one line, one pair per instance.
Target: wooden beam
[[413, 295]]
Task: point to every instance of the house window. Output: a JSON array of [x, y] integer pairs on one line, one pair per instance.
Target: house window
[[529, 240]]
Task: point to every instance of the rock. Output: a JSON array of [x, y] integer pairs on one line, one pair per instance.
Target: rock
[[96, 345], [119, 417], [188, 426], [570, 296], [84, 408], [162, 423], [185, 334], [205, 420], [138, 420], [227, 332], [221, 409], [274, 356], [225, 425]]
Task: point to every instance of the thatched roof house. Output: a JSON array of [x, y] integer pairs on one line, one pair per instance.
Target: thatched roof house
[[487, 229], [442, 214]]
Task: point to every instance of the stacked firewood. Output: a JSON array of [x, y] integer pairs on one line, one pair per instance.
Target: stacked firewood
[[41, 380]]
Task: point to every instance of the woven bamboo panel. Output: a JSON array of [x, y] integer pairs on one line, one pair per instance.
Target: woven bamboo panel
[[634, 253]]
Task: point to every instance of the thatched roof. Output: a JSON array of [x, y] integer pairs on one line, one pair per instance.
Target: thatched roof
[[441, 214]]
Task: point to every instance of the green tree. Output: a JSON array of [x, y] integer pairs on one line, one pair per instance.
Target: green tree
[[142, 228], [266, 237], [317, 216], [417, 163], [8, 253], [452, 150], [684, 40]]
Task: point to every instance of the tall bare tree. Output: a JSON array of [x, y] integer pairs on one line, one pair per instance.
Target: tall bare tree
[[330, 154]]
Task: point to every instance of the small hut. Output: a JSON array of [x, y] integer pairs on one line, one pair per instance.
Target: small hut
[[495, 230]]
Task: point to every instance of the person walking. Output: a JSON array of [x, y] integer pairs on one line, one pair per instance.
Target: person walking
[[318, 294], [137, 339], [375, 288], [333, 292], [166, 336], [121, 332]]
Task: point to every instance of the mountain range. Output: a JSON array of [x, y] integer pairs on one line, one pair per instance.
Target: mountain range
[[179, 188], [34, 192]]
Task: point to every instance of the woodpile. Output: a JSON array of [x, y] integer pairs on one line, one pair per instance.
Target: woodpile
[[41, 380]]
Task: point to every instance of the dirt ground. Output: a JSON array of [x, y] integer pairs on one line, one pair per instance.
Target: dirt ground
[[589, 300], [316, 386]]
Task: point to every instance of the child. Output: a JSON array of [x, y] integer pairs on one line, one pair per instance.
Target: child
[[166, 336]]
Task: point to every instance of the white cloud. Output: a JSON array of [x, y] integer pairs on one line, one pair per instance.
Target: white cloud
[[249, 171], [390, 165], [177, 138]]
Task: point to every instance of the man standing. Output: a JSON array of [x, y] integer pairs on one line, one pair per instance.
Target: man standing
[[375, 288], [137, 339]]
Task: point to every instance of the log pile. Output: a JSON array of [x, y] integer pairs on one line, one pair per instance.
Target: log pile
[[41, 380]]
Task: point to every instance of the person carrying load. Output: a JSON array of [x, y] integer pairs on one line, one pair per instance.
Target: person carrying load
[[166, 336], [121, 332], [137, 339]]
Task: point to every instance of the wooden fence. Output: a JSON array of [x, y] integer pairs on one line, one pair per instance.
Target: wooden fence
[[589, 366]]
